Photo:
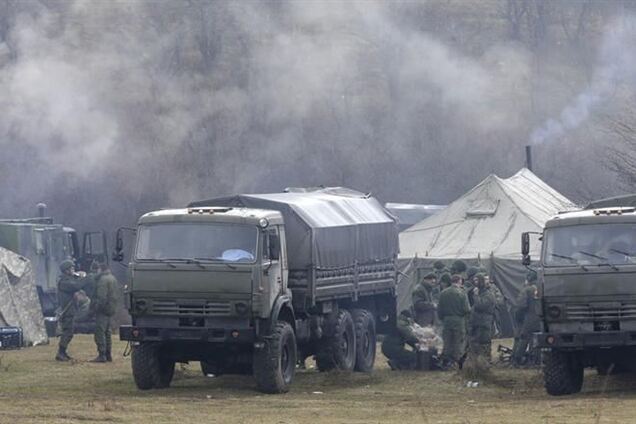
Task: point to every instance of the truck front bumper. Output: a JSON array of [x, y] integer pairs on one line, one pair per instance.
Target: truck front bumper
[[598, 339], [207, 335]]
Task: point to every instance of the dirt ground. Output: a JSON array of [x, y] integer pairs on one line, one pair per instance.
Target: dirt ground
[[36, 389]]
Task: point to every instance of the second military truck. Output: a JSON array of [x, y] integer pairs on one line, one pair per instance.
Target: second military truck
[[255, 284], [587, 295]]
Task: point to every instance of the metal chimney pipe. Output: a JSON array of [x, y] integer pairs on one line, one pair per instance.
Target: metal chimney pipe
[[529, 157], [41, 210]]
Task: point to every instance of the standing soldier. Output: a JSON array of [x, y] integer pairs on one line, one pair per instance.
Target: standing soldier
[[104, 305], [481, 318], [68, 284], [452, 310], [527, 317], [423, 301], [393, 345]]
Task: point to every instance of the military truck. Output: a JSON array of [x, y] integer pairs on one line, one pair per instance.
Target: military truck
[[46, 244], [587, 295], [255, 283]]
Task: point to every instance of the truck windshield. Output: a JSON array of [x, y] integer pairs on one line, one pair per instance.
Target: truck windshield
[[195, 241], [599, 244]]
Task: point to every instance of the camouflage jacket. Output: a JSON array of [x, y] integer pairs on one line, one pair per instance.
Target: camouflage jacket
[[106, 294], [405, 330], [422, 296], [67, 286], [453, 302], [483, 308]]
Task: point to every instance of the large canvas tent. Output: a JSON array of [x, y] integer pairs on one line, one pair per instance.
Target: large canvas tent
[[19, 303], [483, 227]]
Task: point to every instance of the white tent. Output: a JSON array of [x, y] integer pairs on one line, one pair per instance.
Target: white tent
[[19, 303], [486, 221], [483, 227]]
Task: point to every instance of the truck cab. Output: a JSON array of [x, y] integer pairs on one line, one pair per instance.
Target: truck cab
[[587, 295]]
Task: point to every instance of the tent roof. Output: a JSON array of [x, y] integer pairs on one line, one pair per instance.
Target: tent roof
[[487, 219]]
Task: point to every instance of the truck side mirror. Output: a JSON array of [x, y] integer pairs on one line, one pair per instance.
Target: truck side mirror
[[118, 254], [525, 248], [525, 244]]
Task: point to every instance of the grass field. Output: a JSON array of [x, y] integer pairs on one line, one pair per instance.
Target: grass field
[[36, 389]]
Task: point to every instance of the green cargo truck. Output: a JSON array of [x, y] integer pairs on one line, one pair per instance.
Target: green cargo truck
[[46, 244], [587, 295], [254, 283]]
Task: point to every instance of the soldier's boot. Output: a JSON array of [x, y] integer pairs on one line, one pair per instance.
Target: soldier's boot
[[100, 358], [109, 356], [62, 355]]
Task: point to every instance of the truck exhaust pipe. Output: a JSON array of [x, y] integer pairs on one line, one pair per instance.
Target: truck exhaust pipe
[[41, 210]]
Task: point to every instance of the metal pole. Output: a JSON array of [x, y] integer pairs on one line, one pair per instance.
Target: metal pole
[[529, 157]]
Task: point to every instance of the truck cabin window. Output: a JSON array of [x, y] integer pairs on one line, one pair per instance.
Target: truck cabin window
[[213, 242], [590, 245]]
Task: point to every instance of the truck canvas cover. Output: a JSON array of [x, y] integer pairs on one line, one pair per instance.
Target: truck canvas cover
[[326, 228]]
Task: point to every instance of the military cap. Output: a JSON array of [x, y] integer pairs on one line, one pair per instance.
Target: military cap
[[458, 267], [445, 278], [66, 264], [456, 278], [471, 271], [481, 278], [430, 276], [531, 276], [439, 265]]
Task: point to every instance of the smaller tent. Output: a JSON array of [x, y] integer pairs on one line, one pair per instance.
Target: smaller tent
[[483, 227], [19, 303]]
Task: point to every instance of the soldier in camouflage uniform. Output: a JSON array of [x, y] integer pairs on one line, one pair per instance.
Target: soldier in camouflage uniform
[[104, 305], [452, 310], [527, 317], [423, 302], [393, 347], [481, 319], [68, 284]]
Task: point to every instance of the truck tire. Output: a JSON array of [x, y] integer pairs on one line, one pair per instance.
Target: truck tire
[[562, 373], [275, 364], [150, 371], [365, 340], [339, 347]]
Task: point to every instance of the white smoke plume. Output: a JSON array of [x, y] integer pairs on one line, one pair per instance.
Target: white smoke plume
[[616, 66]]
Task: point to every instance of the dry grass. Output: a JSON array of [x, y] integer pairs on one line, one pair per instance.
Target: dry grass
[[36, 389]]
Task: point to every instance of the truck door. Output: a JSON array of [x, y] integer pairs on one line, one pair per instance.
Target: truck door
[[272, 263], [94, 248]]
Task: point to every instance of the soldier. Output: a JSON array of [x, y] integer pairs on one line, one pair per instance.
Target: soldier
[[104, 305], [527, 317], [452, 310], [469, 283], [393, 345], [499, 305], [481, 318], [422, 297], [68, 285]]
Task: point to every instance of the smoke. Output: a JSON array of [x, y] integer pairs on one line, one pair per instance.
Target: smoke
[[616, 66]]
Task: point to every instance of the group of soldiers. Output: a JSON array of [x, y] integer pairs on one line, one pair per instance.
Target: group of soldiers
[[465, 303], [72, 289]]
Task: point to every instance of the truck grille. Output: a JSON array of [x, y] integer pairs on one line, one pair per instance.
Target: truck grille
[[209, 308], [601, 312]]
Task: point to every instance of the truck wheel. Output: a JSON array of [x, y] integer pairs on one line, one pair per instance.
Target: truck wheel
[[562, 373], [365, 340], [149, 369], [275, 364], [339, 348]]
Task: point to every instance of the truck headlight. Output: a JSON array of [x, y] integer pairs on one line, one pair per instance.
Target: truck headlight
[[554, 311]]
